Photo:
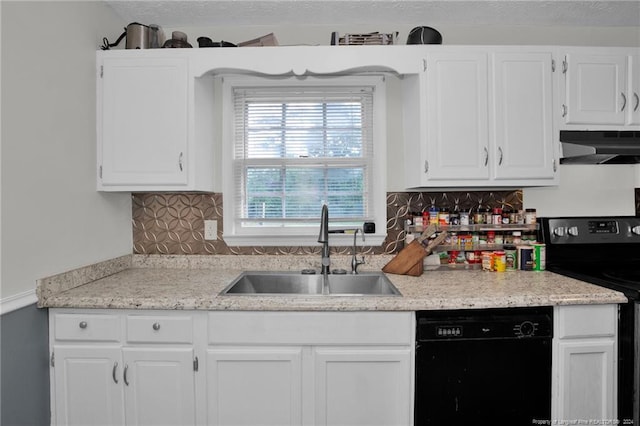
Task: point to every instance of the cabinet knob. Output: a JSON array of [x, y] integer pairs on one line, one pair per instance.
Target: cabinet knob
[[83, 324], [156, 326]]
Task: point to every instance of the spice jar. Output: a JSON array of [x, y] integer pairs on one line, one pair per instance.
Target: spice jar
[[443, 216], [517, 237], [496, 217], [454, 218], [464, 217], [530, 216], [480, 216], [433, 215]]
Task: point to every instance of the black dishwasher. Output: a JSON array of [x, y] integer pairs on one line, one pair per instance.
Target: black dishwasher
[[483, 367]]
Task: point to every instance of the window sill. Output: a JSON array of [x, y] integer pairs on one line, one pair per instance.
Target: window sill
[[337, 240]]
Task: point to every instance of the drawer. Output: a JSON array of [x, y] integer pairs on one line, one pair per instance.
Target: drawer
[[586, 321], [159, 329], [96, 327]]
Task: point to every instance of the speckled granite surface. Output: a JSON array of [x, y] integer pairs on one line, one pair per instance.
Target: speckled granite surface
[[193, 282]]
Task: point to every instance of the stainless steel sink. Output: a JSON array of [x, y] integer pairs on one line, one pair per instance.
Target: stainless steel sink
[[275, 283], [295, 283], [369, 284]]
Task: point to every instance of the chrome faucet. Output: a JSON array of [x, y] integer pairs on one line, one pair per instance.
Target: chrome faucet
[[323, 238], [354, 260]]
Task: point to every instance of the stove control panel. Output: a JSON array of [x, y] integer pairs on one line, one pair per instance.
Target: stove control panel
[[603, 227], [592, 230]]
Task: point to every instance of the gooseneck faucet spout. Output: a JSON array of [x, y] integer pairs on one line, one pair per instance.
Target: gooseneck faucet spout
[[323, 238]]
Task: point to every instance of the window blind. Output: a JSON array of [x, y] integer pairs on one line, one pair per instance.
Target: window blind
[[297, 148]]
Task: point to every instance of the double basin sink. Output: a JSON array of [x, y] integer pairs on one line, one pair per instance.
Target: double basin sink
[[296, 283]]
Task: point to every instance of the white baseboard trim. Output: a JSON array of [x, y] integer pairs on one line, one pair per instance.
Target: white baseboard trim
[[17, 301]]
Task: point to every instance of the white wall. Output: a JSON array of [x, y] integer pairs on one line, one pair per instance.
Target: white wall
[[53, 220]]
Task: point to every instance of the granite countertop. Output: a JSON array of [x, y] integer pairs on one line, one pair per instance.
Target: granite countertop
[[195, 283]]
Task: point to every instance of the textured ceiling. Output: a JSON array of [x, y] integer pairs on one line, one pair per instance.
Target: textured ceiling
[[187, 13]]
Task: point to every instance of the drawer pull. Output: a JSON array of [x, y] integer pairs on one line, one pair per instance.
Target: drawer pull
[[156, 326], [83, 324]]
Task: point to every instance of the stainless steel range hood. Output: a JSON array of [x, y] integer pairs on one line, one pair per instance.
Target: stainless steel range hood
[[600, 147]]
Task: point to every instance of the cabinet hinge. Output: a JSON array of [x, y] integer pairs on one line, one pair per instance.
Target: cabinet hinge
[[424, 65], [101, 71], [565, 65], [426, 166], [53, 359], [100, 171], [195, 364], [553, 65]]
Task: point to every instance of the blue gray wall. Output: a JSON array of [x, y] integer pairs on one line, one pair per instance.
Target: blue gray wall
[[24, 367]]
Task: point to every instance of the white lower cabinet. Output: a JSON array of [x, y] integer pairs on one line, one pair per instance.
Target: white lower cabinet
[[362, 386], [116, 367], [254, 386], [159, 386], [109, 369], [585, 366], [315, 368], [85, 388]]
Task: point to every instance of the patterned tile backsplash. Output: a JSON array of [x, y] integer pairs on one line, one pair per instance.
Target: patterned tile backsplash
[[173, 223]]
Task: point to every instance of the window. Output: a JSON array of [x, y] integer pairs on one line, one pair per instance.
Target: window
[[292, 145]]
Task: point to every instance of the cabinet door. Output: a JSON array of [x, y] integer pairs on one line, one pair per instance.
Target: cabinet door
[[363, 387], [254, 386], [633, 96], [87, 385], [456, 116], [586, 379], [159, 386], [142, 121], [596, 89], [522, 116]]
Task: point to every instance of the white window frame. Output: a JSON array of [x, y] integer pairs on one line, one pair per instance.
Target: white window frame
[[234, 235]]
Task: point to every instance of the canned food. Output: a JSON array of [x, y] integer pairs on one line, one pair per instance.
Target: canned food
[[511, 258], [539, 256], [487, 261], [525, 258], [499, 261]]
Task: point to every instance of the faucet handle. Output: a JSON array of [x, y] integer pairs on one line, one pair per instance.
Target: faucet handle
[[355, 263]]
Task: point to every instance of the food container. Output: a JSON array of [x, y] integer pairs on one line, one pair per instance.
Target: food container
[[499, 261], [539, 257], [525, 258]]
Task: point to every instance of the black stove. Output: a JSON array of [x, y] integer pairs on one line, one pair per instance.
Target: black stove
[[605, 251]]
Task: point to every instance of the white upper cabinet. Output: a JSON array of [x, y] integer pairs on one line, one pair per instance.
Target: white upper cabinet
[[633, 96], [522, 119], [480, 118], [146, 132], [601, 88], [456, 116]]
